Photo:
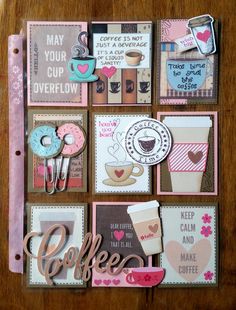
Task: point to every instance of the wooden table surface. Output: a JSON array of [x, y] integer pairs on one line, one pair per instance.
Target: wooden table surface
[[13, 293]]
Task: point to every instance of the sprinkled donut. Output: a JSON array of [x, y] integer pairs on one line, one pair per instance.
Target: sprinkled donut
[[78, 136], [36, 141]]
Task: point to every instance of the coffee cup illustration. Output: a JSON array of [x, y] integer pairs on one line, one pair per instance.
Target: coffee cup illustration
[[100, 86], [146, 276], [146, 143], [178, 73], [144, 87], [82, 69], [188, 158], [115, 87], [129, 86], [133, 57], [120, 172], [203, 31]]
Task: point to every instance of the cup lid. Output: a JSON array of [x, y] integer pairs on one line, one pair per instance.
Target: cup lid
[[199, 21], [143, 206]]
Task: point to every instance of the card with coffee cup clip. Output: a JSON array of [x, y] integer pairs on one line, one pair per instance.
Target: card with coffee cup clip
[[123, 52], [114, 170], [186, 73], [112, 221], [191, 168], [49, 48], [190, 256], [41, 217], [71, 169]]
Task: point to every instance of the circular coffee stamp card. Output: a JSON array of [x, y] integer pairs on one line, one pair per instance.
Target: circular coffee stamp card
[[148, 141]]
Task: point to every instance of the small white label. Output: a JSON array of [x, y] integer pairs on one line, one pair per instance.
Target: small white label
[[186, 43]]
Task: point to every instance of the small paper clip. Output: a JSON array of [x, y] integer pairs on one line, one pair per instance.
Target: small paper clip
[[45, 143], [74, 143]]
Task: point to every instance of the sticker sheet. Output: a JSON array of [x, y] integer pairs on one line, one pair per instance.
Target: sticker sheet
[[49, 52], [114, 170], [40, 218], [186, 76], [191, 166], [112, 221], [190, 256], [77, 171], [123, 52]]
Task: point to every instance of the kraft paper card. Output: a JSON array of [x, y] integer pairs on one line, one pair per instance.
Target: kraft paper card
[[49, 50], [112, 221], [185, 76], [77, 172], [114, 169], [191, 168], [190, 256], [40, 218], [123, 52]]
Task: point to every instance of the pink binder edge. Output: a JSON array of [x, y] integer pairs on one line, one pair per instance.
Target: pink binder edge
[[16, 152]]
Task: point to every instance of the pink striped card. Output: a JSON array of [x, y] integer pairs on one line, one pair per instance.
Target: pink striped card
[[191, 167]]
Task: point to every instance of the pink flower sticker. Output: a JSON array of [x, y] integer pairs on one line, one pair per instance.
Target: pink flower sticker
[[206, 218], [208, 275], [206, 231]]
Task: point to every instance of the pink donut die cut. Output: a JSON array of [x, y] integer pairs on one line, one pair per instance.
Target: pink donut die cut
[[77, 137]]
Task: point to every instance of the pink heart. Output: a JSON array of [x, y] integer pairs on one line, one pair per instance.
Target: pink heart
[[204, 36], [109, 72], [119, 234], [107, 282], [119, 173], [83, 68], [116, 281], [202, 251], [97, 282]]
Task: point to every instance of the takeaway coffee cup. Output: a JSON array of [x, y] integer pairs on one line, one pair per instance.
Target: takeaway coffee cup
[[187, 160], [147, 225], [203, 32]]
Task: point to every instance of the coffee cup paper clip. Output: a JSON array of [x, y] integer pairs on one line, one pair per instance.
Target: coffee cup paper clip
[[202, 30], [81, 65], [147, 225]]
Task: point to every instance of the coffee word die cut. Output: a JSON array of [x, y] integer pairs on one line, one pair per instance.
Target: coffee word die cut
[[49, 51], [114, 169], [112, 221], [191, 168], [74, 169], [123, 52], [41, 217], [185, 76], [190, 256]]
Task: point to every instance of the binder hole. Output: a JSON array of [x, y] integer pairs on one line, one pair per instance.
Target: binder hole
[[17, 257], [18, 153], [16, 51]]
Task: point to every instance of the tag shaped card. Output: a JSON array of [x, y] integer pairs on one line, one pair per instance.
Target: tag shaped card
[[123, 52], [112, 221], [41, 217], [57, 153], [114, 170], [50, 50], [185, 74], [190, 256], [191, 167]]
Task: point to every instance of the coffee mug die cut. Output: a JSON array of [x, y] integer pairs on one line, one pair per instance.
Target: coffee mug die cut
[[82, 69]]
